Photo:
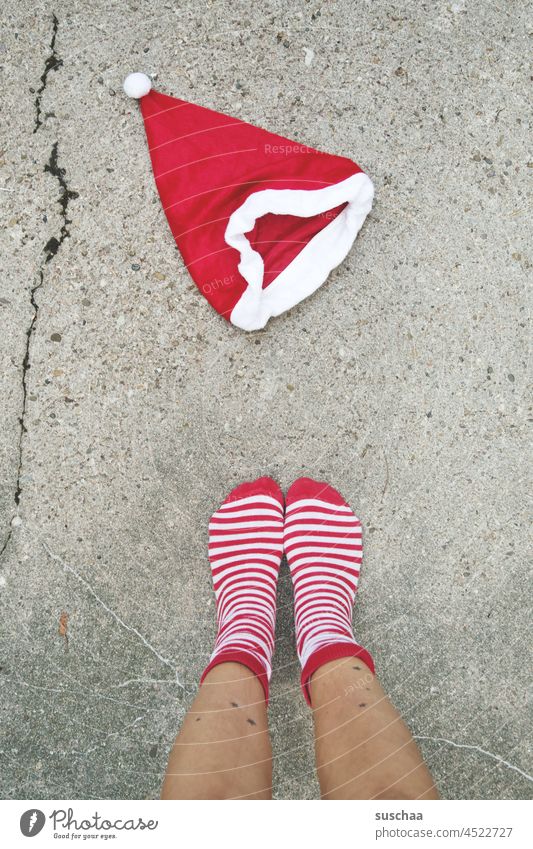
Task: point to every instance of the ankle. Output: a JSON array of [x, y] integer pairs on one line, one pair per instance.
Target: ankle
[[240, 669], [227, 672], [341, 676]]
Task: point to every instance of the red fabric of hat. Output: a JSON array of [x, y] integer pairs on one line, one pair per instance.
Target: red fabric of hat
[[259, 220]]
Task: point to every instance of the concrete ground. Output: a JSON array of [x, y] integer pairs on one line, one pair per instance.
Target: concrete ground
[[130, 408]]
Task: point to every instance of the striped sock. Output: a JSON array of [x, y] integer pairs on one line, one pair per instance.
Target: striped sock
[[245, 550], [324, 548]]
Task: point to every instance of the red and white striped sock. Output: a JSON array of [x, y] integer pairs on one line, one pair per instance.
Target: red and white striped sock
[[324, 548], [245, 551]]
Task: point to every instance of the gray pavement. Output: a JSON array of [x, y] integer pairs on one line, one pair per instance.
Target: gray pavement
[[129, 408]]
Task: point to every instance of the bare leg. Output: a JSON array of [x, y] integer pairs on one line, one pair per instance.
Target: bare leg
[[364, 750], [223, 749]]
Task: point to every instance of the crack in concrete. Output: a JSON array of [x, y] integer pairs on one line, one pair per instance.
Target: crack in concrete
[[68, 568], [52, 63], [474, 749], [22, 417], [50, 250], [52, 167], [108, 736], [6, 541]]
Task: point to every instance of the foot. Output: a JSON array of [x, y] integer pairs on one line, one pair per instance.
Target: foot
[[323, 543], [245, 550]]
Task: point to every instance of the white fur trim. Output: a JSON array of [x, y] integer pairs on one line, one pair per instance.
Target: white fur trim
[[137, 85], [310, 268]]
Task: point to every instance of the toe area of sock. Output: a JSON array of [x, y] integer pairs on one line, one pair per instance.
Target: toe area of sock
[[261, 486], [310, 488]]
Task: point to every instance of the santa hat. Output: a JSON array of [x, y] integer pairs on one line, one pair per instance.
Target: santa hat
[[260, 220]]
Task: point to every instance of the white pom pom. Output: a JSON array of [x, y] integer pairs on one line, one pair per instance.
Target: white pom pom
[[137, 85]]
